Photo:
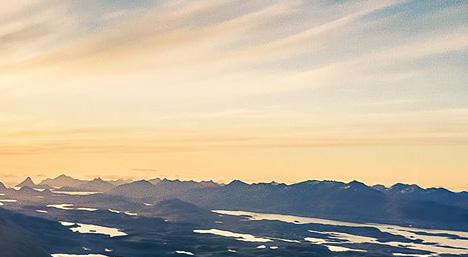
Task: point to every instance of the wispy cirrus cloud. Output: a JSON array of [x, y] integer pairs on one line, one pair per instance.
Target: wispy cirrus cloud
[[155, 79]]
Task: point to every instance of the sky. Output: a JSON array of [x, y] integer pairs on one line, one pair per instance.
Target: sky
[[257, 90]]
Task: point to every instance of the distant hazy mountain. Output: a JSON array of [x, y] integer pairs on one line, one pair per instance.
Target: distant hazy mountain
[[62, 181], [190, 183], [95, 185], [155, 181], [28, 182], [137, 189], [159, 189], [172, 188], [119, 182]]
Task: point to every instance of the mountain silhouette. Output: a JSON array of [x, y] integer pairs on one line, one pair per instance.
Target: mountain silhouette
[[27, 182], [95, 185], [62, 181]]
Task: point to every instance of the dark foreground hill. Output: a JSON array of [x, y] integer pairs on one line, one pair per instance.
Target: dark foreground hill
[[24, 236], [178, 211]]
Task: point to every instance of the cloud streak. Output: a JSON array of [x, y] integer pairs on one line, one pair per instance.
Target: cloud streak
[[176, 78]]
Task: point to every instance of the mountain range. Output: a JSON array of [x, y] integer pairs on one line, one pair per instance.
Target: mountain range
[[406, 204], [352, 201], [160, 188], [160, 217], [62, 181]]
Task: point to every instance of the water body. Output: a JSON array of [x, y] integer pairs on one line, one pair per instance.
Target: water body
[[330, 246], [114, 211], [238, 236], [77, 255], [434, 241], [69, 206], [74, 192], [124, 212], [8, 200], [412, 255], [2, 201], [185, 252], [335, 248], [93, 229]]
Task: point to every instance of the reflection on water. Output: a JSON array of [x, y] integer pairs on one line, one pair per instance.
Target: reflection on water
[[2, 201], [124, 212], [74, 192], [316, 240], [429, 242], [77, 255], [69, 206], [434, 243], [328, 244], [335, 248], [114, 211], [286, 218], [184, 252], [238, 236], [412, 255], [93, 229]]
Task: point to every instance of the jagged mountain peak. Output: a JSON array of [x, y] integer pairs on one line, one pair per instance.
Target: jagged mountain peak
[[136, 184], [356, 184], [237, 183], [140, 182], [406, 188], [380, 187], [27, 182]]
